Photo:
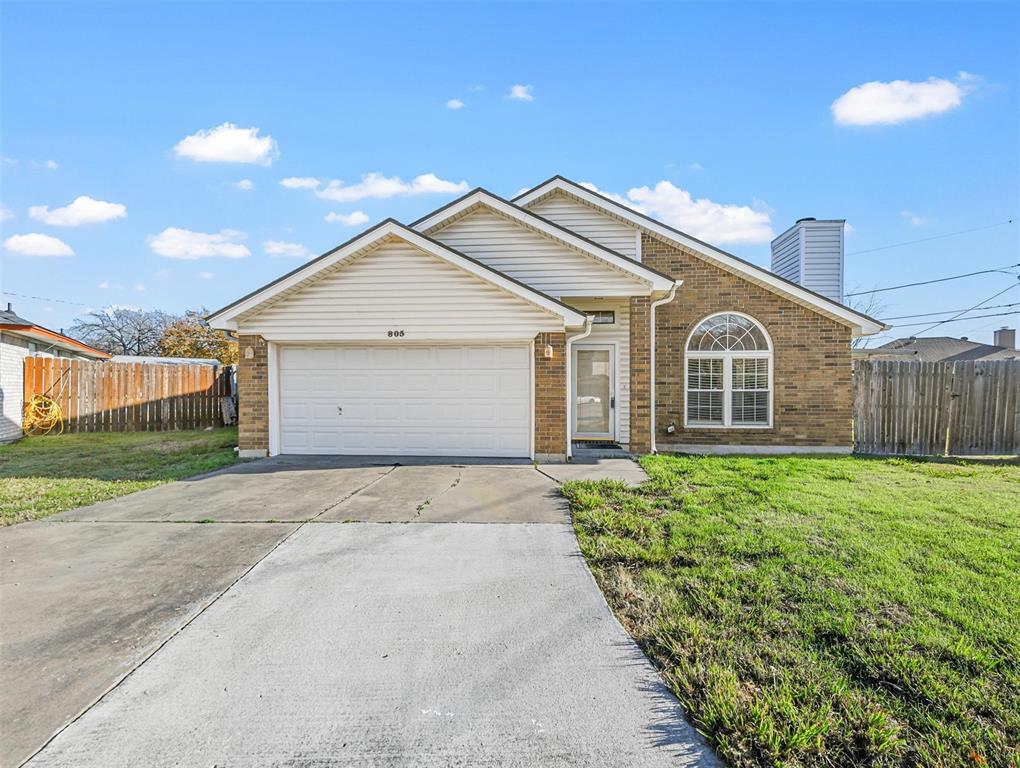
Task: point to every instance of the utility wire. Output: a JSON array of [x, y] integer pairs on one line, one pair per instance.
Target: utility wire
[[938, 280], [948, 311], [44, 298], [929, 239], [966, 311], [956, 320]]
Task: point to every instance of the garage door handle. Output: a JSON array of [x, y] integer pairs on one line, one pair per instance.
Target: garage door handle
[[339, 411], [612, 402]]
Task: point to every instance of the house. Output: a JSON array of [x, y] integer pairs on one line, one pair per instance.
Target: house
[[945, 349], [21, 338], [518, 328]]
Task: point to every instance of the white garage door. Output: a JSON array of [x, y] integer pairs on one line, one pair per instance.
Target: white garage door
[[406, 400]]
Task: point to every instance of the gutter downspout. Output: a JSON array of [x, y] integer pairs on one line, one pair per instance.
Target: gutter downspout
[[570, 388], [651, 384]]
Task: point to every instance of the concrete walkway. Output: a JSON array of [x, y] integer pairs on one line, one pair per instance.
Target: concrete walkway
[[313, 643]]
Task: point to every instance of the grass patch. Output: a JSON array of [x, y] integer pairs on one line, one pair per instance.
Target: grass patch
[[823, 611], [41, 476]]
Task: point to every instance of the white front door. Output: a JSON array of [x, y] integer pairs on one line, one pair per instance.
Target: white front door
[[446, 400], [594, 391]]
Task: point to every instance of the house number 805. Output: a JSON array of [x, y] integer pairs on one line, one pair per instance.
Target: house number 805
[[394, 334]]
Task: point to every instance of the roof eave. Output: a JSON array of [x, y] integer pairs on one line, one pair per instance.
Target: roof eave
[[861, 324]]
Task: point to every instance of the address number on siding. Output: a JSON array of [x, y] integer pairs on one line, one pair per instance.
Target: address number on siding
[[394, 334]]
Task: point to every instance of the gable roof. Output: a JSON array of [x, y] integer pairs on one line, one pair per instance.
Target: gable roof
[[226, 318], [934, 349], [862, 324], [659, 281], [19, 326]]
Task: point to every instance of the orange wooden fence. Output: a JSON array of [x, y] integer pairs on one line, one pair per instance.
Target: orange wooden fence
[[129, 397]]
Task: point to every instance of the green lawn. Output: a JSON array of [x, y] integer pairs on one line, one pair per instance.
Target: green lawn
[[40, 476], [823, 611]]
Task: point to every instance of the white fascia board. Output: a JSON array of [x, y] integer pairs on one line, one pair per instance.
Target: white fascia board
[[226, 319], [861, 324], [481, 197]]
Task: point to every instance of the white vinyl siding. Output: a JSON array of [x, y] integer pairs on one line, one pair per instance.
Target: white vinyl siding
[[449, 400], [398, 287], [822, 264], [810, 254], [588, 222], [534, 258], [13, 351], [786, 255], [619, 334]]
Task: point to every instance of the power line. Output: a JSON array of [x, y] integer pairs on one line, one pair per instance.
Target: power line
[[44, 298], [929, 239], [956, 320], [938, 280], [966, 311], [947, 311]]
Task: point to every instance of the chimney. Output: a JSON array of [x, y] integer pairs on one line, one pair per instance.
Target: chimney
[[810, 253], [1005, 337]]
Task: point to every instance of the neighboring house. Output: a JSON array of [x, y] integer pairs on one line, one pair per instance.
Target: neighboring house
[[516, 329], [945, 349], [21, 338]]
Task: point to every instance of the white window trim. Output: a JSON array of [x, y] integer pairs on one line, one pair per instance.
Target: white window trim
[[727, 358]]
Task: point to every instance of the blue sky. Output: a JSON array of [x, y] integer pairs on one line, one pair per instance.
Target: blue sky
[[729, 104]]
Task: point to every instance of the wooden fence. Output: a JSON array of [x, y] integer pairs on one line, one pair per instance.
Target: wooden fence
[[129, 397], [959, 408]]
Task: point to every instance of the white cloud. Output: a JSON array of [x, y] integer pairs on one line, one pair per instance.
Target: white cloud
[[84, 210], [878, 103], [348, 219], [126, 307], [207, 275], [283, 248], [245, 184], [300, 182], [6, 214], [8, 160], [521, 93], [139, 287], [694, 167], [228, 143], [703, 218], [914, 219], [103, 285], [176, 243], [375, 185], [50, 165], [454, 104], [35, 244]]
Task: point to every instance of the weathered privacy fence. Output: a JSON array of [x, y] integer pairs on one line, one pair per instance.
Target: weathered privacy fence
[[129, 397], [958, 408]]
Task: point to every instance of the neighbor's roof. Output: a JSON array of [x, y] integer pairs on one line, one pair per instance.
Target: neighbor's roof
[[938, 349], [861, 323], [156, 360], [15, 324]]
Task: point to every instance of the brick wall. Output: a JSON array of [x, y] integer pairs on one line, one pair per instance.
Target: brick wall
[[550, 396], [640, 375], [253, 395], [812, 388]]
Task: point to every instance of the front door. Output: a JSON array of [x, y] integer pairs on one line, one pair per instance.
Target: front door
[[594, 388]]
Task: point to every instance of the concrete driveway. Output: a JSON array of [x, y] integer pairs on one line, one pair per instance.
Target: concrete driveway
[[306, 641]]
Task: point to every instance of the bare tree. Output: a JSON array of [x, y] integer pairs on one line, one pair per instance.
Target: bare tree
[[868, 304], [123, 331]]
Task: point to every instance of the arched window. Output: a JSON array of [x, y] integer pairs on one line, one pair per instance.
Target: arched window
[[729, 373]]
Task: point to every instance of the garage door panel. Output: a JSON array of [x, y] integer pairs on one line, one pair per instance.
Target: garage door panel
[[443, 400]]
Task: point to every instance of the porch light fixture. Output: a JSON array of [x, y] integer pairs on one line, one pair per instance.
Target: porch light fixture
[[548, 351]]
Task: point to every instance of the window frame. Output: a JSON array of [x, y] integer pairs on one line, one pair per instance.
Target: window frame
[[727, 358]]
